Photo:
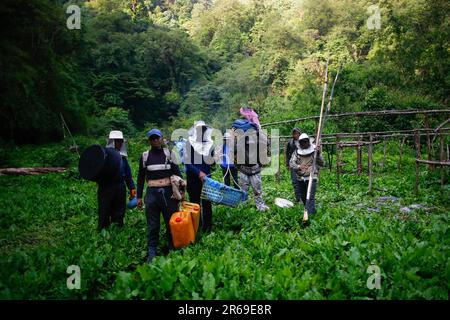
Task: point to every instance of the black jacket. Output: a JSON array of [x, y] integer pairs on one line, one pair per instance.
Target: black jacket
[[289, 150]]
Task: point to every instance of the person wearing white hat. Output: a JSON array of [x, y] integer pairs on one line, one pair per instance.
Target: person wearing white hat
[[198, 156], [302, 162], [111, 195]]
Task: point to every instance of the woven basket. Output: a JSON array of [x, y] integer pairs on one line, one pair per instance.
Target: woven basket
[[220, 193]]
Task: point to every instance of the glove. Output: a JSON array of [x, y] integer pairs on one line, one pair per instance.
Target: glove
[[132, 193]]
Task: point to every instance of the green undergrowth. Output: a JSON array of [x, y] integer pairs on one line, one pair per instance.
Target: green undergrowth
[[48, 222]]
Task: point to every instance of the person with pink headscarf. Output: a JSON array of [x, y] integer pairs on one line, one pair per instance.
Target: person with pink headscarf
[[250, 115]]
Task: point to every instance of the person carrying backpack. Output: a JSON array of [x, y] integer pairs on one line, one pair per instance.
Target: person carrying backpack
[[112, 192], [247, 158]]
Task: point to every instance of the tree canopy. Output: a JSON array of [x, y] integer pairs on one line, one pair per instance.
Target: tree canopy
[[170, 62]]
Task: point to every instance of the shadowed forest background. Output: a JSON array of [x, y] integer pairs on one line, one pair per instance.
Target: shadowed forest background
[[135, 64]]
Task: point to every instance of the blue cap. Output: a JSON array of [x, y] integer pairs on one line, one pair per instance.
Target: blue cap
[[154, 132]]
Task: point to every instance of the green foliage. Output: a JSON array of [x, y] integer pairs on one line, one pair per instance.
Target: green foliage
[[142, 68], [147, 63], [114, 118], [167, 61], [40, 78], [254, 256]]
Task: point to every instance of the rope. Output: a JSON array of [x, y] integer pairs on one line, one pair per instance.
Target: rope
[[229, 172]]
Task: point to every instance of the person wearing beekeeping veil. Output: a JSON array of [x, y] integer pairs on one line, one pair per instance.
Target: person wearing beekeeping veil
[[199, 158], [302, 162]]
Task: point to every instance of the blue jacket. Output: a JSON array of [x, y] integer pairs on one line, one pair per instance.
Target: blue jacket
[[225, 158], [196, 168], [125, 173]]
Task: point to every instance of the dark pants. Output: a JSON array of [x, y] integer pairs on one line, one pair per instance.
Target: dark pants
[[111, 204], [194, 189], [227, 178], [157, 201], [303, 185], [296, 185]]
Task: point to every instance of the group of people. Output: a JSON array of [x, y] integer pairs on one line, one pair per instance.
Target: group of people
[[159, 170]]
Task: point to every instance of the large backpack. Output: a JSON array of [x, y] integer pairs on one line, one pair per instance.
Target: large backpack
[[248, 135]]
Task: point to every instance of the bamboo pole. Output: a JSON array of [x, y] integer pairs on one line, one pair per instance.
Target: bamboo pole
[[439, 128], [427, 126], [370, 163], [442, 159], [438, 163], [359, 158], [70, 134], [401, 153], [351, 143], [417, 143], [364, 114], [277, 175], [338, 161], [329, 156], [393, 133], [384, 153], [319, 132]]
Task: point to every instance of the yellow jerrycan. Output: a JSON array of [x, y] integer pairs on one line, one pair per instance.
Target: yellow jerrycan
[[194, 209], [182, 229]]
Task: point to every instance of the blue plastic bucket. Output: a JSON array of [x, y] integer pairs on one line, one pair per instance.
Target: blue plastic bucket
[[132, 203]]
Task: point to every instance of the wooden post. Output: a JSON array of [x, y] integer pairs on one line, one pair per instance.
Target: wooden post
[[277, 175], [329, 156], [417, 142], [427, 126], [359, 158], [442, 159], [338, 160], [401, 153], [384, 153], [370, 162]]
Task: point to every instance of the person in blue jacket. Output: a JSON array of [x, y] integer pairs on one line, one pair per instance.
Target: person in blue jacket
[[112, 195], [198, 158]]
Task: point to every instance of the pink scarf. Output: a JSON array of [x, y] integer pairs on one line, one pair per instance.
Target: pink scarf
[[250, 115]]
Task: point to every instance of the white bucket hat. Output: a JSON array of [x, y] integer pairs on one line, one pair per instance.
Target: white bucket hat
[[115, 134], [312, 146]]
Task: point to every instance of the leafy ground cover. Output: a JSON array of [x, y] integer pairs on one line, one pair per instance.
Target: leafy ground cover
[[48, 222]]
